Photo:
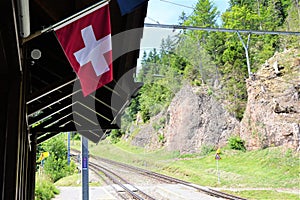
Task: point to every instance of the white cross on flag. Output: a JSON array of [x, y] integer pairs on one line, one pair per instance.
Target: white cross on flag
[[87, 45]]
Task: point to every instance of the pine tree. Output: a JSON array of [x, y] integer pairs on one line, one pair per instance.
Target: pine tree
[[204, 15]]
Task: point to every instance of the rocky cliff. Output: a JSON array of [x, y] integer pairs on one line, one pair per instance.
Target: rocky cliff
[[149, 135], [272, 116], [195, 117]]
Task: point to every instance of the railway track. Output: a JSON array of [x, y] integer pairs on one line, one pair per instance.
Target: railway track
[[169, 179], [132, 191], [164, 178]]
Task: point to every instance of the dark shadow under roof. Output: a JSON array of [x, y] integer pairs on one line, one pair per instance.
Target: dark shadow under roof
[[55, 102]]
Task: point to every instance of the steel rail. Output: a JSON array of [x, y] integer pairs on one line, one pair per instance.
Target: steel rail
[[111, 175], [155, 175], [107, 182], [207, 190]]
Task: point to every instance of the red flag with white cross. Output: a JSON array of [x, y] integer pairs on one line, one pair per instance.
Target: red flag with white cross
[[87, 45]]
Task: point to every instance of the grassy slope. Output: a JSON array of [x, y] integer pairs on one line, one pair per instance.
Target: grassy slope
[[268, 168], [74, 180]]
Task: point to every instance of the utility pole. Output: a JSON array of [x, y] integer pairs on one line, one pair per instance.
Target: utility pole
[[69, 148], [85, 168]]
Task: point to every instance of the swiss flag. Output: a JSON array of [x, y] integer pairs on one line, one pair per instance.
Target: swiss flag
[[87, 45]]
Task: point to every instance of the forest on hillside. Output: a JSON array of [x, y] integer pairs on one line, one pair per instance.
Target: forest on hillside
[[216, 60]]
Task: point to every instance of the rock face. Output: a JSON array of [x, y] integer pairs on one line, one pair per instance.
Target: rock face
[[272, 116], [195, 118], [148, 135]]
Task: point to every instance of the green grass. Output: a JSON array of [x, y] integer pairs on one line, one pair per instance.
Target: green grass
[[73, 180], [263, 168], [123, 152], [264, 195], [268, 168]]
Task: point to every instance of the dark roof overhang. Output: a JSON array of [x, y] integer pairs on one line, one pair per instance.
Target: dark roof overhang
[[55, 102]]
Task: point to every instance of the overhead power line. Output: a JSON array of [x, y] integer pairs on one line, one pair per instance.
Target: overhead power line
[[238, 31], [177, 4], [194, 28], [153, 20]]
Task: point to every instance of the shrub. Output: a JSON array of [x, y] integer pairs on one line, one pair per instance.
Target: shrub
[[209, 92], [206, 149], [56, 165], [115, 136], [161, 137], [45, 189], [76, 136], [57, 168], [162, 121], [156, 126], [236, 143]]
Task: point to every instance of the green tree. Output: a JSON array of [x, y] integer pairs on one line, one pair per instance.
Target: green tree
[[56, 165], [234, 69], [192, 42], [251, 15], [292, 23], [205, 14], [240, 17], [161, 73], [206, 57]]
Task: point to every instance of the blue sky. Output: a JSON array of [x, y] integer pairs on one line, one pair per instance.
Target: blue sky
[[168, 13]]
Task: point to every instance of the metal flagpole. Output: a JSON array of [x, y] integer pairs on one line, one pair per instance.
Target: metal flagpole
[[76, 16], [67, 20]]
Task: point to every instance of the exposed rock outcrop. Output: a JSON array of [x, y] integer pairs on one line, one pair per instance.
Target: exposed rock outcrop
[[196, 118], [148, 135], [272, 116]]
